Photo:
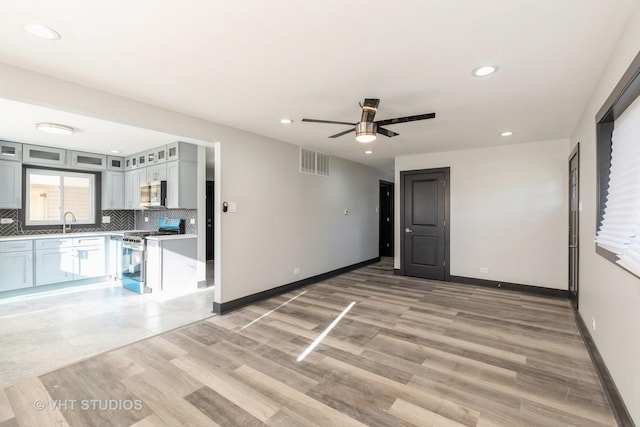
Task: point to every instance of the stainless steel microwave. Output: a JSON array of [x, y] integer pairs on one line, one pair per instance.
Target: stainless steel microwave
[[153, 194]]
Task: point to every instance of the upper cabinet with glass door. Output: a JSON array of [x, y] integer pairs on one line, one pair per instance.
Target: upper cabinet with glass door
[[10, 151], [35, 154], [182, 151]]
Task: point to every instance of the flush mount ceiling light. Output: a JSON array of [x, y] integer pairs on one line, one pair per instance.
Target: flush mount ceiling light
[[55, 128], [286, 121], [365, 132], [506, 133], [42, 31], [485, 70]]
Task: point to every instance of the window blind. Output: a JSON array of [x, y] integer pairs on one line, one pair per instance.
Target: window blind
[[620, 229]]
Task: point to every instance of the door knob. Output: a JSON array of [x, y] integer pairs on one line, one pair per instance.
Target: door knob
[[408, 230]]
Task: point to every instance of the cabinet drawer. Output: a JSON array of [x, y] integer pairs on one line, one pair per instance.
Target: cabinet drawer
[[88, 241], [16, 245], [53, 243]]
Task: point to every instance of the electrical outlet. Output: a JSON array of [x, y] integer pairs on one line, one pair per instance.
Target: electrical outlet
[[593, 323], [106, 219], [192, 221], [484, 270], [296, 271], [6, 221], [146, 219]]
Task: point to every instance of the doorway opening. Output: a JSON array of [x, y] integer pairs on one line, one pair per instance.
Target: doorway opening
[[386, 219], [574, 222]]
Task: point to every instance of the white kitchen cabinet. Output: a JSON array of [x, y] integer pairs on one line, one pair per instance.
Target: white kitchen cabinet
[[181, 185], [113, 193], [16, 265], [36, 154], [67, 259], [54, 261], [142, 160], [157, 172], [182, 151], [132, 181], [90, 257], [131, 162], [81, 160], [11, 179], [115, 163], [157, 155], [10, 151], [171, 264], [131, 190]]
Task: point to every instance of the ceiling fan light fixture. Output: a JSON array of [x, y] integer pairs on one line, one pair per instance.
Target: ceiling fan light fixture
[[485, 70], [55, 128], [365, 132]]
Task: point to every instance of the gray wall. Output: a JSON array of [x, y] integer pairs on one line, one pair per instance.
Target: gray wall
[[508, 211], [608, 294]]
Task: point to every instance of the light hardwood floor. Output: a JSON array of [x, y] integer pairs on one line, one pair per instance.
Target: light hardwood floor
[[409, 352]]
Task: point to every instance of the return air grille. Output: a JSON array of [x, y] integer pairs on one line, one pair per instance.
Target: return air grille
[[314, 163]]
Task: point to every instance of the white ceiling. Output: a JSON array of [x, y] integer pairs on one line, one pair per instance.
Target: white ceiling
[[249, 63]]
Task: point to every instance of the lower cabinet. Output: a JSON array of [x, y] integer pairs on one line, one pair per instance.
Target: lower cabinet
[[16, 265], [91, 262], [64, 260], [54, 266]]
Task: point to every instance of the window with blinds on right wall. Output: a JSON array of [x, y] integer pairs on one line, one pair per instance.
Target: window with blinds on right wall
[[618, 165]]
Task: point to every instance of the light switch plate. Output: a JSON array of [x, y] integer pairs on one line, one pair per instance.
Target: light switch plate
[[6, 221]]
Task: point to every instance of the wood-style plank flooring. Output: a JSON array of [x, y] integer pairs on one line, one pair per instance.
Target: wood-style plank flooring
[[409, 352]]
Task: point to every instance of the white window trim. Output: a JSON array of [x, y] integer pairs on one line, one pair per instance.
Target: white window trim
[[59, 172]]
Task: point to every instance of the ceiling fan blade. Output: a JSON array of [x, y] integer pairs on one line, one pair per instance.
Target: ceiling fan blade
[[405, 119], [342, 133], [328, 121], [386, 132]]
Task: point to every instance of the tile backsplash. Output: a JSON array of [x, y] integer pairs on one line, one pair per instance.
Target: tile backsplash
[[120, 220], [154, 214]]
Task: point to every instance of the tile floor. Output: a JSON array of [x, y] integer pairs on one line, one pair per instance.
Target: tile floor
[[46, 331]]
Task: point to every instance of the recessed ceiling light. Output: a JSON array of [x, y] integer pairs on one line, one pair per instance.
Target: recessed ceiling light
[[286, 121], [42, 31], [368, 152], [506, 133], [115, 151], [55, 128], [485, 70]]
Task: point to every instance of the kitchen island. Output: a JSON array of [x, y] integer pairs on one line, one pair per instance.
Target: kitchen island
[[172, 264]]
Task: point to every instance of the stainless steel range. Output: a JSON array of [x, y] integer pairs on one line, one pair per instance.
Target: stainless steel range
[[134, 252]]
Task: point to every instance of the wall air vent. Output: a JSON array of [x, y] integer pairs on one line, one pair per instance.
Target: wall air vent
[[314, 163]]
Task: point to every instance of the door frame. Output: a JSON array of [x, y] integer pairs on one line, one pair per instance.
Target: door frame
[[391, 187], [574, 153], [447, 217]]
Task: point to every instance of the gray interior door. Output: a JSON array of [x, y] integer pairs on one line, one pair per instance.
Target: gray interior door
[[574, 206], [425, 206]]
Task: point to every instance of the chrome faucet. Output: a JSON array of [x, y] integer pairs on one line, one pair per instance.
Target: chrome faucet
[[64, 221]]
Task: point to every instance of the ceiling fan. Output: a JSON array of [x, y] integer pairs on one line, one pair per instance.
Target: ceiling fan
[[366, 128]]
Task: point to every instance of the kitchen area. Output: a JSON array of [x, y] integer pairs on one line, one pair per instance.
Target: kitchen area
[[77, 279]]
